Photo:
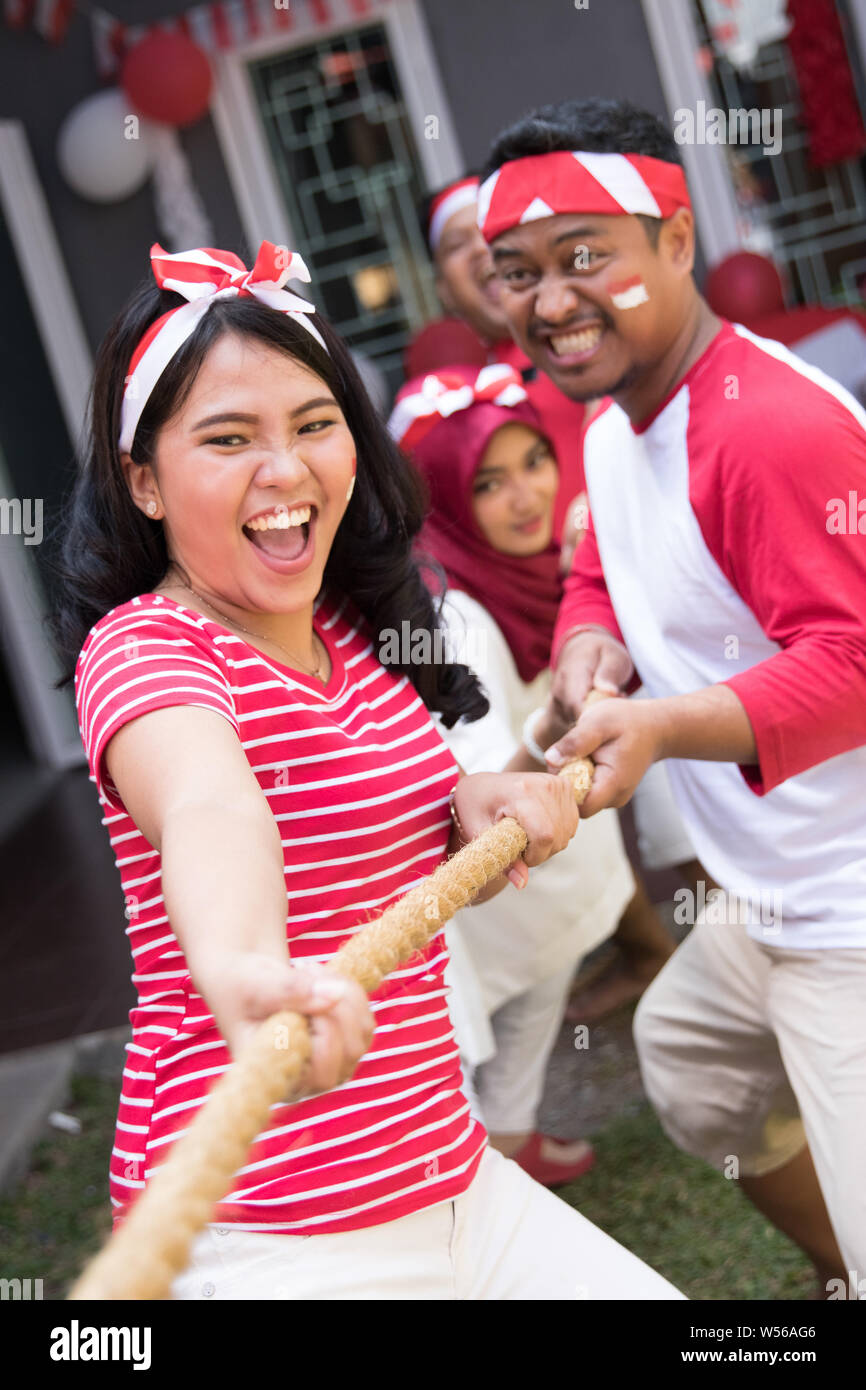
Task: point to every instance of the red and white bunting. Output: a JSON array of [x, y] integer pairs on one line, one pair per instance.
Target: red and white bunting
[[217, 27], [50, 18], [18, 13], [228, 24]]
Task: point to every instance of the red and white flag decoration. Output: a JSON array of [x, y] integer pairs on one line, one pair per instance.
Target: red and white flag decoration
[[49, 17], [228, 24], [216, 27], [420, 405]]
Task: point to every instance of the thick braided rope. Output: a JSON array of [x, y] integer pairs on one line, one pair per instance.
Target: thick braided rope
[[145, 1255]]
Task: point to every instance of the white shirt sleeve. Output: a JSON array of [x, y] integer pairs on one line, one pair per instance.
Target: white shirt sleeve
[[487, 744]]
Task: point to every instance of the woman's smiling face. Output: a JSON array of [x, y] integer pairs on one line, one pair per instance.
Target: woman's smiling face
[[514, 490], [251, 477]]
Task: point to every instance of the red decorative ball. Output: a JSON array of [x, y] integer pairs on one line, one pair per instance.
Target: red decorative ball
[[744, 286], [167, 77]]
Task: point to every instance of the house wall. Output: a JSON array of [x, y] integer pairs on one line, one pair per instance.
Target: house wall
[[496, 58], [104, 244]]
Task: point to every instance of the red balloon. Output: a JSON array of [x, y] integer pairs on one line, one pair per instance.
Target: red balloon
[[167, 77], [744, 286]]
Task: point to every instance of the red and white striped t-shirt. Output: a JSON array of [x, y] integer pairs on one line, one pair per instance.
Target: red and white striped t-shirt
[[358, 778]]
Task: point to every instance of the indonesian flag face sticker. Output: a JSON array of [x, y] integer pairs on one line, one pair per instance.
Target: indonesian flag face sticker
[[628, 294]]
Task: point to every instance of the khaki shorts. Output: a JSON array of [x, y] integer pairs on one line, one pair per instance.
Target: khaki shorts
[[748, 1051]]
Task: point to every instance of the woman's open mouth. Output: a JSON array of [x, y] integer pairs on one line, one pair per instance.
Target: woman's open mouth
[[284, 537]]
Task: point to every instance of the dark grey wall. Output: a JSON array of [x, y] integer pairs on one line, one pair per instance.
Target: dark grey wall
[[498, 58], [105, 245]]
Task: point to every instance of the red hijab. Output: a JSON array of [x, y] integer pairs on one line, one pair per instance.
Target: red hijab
[[521, 592]]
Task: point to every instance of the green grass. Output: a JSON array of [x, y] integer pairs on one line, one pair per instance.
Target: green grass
[[675, 1212], [59, 1214], [684, 1219]]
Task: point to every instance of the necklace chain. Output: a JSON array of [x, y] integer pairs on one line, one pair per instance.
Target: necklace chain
[[318, 674]]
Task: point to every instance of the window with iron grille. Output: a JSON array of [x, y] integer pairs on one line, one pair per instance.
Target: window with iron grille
[[810, 221], [341, 143]]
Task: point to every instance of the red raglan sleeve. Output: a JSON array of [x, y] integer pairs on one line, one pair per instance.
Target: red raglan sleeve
[[774, 527], [585, 601]]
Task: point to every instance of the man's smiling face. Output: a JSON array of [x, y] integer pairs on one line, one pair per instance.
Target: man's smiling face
[[590, 299]]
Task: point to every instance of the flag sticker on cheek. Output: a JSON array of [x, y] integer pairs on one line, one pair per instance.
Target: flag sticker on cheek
[[628, 294]]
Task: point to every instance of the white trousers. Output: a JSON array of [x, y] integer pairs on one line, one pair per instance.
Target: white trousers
[[510, 1085], [505, 1237]]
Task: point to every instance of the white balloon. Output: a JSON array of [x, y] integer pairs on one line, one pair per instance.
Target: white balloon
[[103, 148]]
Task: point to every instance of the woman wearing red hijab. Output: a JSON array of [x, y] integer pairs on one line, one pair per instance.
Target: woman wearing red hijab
[[493, 481]]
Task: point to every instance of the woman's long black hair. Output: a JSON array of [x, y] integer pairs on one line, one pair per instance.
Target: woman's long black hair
[[111, 552]]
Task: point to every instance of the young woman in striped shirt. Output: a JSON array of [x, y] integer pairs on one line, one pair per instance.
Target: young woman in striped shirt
[[240, 535]]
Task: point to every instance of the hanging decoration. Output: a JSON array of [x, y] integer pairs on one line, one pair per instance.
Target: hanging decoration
[[50, 18], [104, 154], [167, 78], [112, 141], [180, 211], [740, 27], [215, 28], [831, 112]]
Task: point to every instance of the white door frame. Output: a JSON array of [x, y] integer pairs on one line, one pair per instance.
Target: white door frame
[[262, 210], [675, 46], [858, 23], [32, 665], [44, 274]]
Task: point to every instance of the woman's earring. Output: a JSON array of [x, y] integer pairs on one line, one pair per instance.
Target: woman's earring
[[351, 489], [151, 508]]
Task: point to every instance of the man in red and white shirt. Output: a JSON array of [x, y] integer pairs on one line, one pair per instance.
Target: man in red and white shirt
[[722, 567]]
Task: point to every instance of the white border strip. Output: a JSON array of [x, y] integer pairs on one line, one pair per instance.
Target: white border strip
[[47, 714], [44, 274], [675, 47]]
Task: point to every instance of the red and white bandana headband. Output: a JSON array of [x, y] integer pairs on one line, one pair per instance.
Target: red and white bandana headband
[[462, 194], [541, 185], [203, 276], [444, 392]]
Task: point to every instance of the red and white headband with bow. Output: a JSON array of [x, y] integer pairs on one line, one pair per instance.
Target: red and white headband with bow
[[203, 276], [541, 185], [444, 392]]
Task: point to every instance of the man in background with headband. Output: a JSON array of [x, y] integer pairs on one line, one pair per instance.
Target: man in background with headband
[[711, 568]]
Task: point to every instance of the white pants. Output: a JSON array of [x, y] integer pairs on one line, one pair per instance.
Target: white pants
[[505, 1237], [510, 1085]]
